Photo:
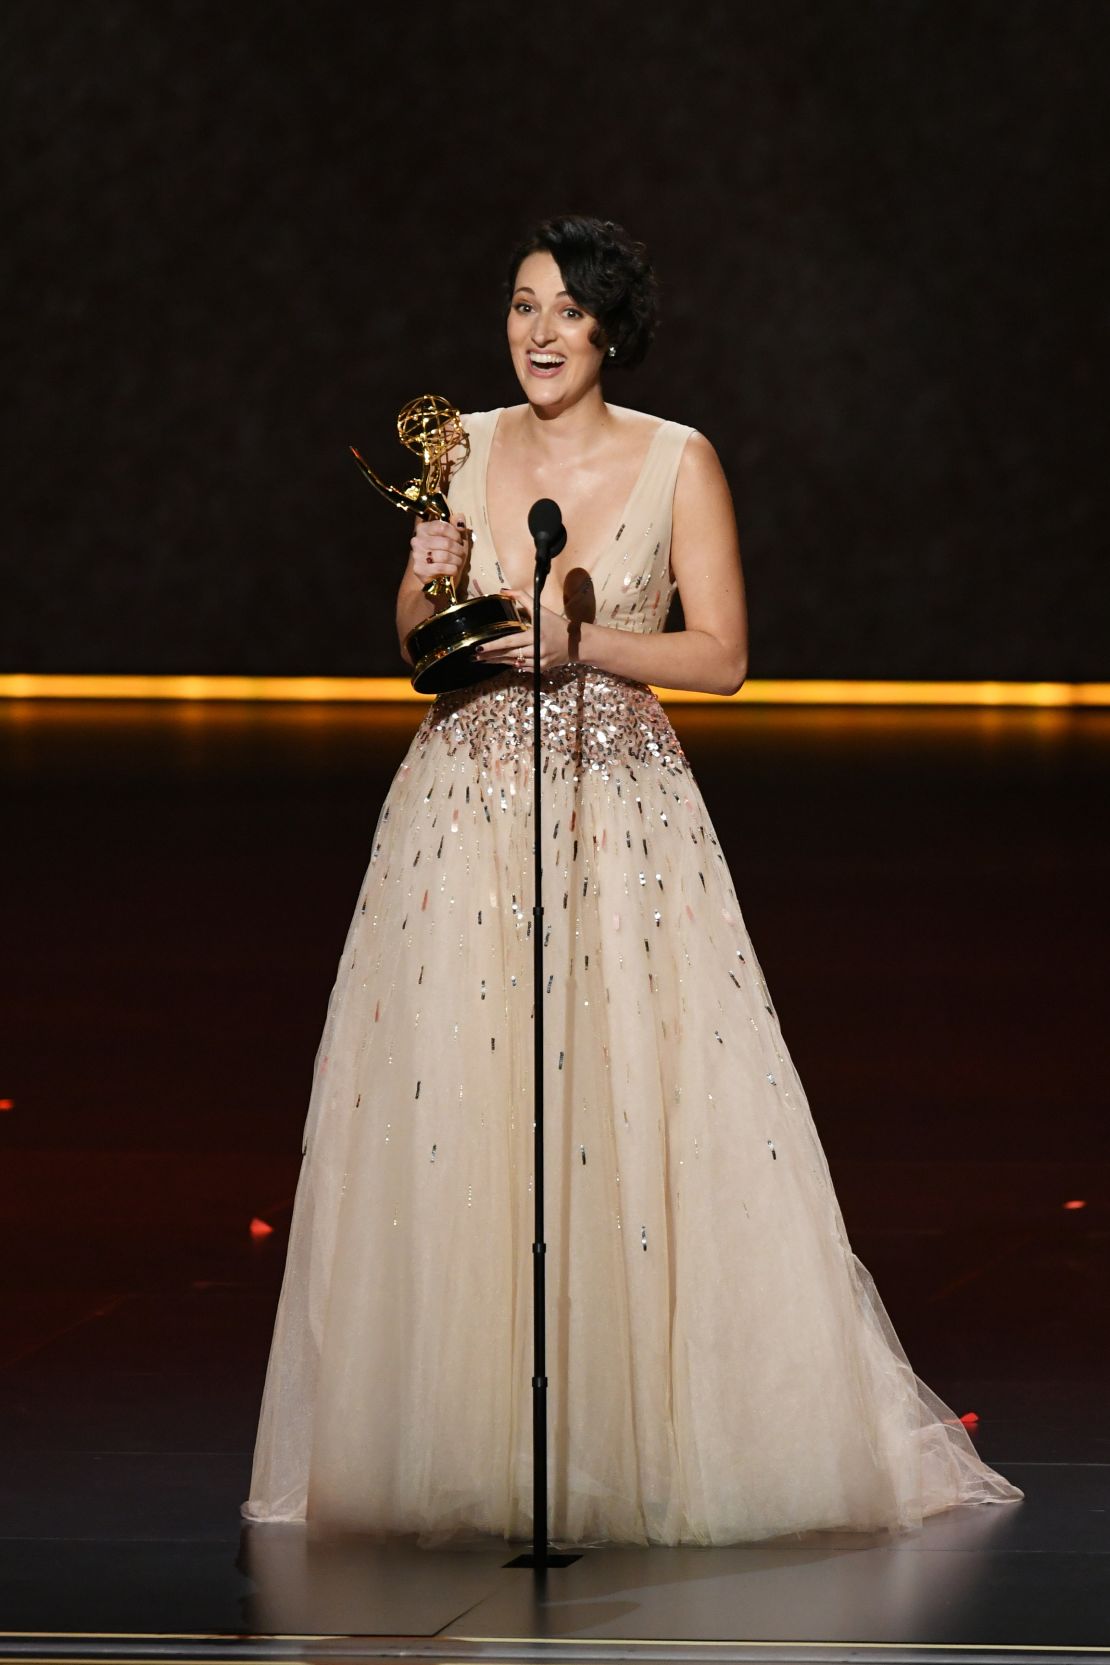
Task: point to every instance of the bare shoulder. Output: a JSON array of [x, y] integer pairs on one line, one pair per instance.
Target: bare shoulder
[[633, 422], [506, 420], [474, 420], [699, 469], [633, 430], [699, 455]]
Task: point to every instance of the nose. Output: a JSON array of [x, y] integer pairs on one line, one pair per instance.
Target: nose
[[543, 330]]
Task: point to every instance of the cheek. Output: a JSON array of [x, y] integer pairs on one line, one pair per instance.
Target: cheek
[[584, 348]]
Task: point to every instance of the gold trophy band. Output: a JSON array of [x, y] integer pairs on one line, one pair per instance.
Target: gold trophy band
[[442, 647]]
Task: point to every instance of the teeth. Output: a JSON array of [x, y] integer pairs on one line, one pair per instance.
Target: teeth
[[543, 360]]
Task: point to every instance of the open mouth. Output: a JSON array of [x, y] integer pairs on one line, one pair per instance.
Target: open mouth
[[546, 364]]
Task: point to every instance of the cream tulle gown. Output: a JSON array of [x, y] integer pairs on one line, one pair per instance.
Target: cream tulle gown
[[721, 1365]]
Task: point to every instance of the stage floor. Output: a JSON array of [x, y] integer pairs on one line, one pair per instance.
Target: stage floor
[[927, 896]]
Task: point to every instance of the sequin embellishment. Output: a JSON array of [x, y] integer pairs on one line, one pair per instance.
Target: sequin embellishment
[[588, 717]]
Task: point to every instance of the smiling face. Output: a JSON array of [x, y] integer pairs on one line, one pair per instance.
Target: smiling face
[[549, 338]]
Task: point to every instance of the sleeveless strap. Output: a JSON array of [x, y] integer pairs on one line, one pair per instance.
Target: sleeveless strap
[[655, 497], [466, 497], [464, 491]]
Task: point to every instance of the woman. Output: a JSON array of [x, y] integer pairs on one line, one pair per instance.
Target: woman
[[721, 1367]]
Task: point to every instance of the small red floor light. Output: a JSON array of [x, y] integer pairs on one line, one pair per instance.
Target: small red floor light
[[970, 1419], [1076, 1202], [7, 1103], [259, 1228]]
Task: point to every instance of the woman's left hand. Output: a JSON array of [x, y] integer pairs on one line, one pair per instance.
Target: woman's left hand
[[514, 650]]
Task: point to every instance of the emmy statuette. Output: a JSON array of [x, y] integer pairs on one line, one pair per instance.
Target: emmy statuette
[[442, 647]]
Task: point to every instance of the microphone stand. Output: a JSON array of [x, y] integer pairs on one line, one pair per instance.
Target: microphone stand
[[539, 1246], [541, 1556]]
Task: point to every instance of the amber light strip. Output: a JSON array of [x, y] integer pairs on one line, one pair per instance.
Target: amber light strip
[[384, 689]]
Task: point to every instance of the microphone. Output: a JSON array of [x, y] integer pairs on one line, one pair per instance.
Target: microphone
[[545, 522]]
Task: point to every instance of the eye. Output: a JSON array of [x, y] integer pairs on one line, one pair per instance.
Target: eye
[[521, 306], [573, 312]]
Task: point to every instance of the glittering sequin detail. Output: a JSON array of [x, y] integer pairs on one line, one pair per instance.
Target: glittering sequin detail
[[590, 719]]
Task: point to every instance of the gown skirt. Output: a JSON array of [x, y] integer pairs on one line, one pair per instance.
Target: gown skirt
[[721, 1365]]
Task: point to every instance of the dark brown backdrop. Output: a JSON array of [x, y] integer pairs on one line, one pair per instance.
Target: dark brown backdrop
[[239, 236]]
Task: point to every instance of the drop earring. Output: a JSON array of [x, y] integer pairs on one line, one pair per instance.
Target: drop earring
[[612, 352]]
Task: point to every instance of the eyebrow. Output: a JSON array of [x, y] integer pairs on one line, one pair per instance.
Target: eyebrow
[[525, 289]]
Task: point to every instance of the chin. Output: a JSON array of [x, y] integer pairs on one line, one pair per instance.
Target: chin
[[557, 391]]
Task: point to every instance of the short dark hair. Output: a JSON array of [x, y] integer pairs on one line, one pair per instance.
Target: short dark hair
[[607, 273]]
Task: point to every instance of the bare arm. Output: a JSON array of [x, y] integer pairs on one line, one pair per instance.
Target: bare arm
[[437, 549], [711, 654]]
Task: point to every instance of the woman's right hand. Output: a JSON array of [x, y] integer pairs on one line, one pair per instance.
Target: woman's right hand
[[439, 549]]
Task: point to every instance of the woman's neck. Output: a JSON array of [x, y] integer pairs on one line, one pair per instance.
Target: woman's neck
[[578, 427]]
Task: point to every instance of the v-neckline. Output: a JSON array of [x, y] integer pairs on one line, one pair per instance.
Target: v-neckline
[[622, 522]]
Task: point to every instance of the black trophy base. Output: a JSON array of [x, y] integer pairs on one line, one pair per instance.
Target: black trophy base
[[442, 648]]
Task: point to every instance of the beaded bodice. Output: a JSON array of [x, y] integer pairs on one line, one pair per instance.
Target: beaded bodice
[[631, 584]]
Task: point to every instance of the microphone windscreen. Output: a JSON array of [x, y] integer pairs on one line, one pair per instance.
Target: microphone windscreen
[[545, 520]]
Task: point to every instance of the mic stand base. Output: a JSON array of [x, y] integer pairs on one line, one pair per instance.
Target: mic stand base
[[553, 1558]]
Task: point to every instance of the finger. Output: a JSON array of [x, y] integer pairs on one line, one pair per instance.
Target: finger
[[439, 542], [438, 553], [445, 538], [440, 556], [435, 569], [442, 528], [508, 649], [438, 547], [506, 656]]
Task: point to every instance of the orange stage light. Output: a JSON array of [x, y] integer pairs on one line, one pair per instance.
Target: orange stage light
[[24, 685], [1076, 1202], [7, 1103], [259, 1228]]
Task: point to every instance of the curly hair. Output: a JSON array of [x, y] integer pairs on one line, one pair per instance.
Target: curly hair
[[607, 273]]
